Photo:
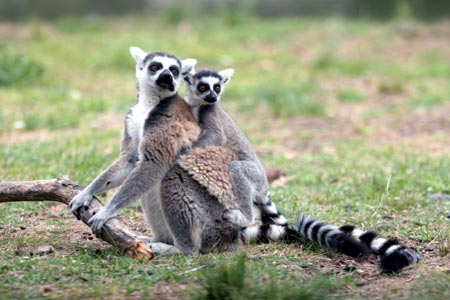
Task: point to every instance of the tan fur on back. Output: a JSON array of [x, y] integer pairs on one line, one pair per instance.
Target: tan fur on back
[[210, 167]]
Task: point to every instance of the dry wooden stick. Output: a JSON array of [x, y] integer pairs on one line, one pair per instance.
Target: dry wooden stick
[[63, 190]]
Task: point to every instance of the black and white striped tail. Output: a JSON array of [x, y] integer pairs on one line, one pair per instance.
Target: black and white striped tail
[[393, 256], [329, 236], [274, 225]]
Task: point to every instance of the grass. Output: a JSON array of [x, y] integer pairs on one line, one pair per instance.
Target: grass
[[361, 135]]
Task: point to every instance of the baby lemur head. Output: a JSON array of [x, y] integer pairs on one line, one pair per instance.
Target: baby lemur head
[[206, 86], [159, 73]]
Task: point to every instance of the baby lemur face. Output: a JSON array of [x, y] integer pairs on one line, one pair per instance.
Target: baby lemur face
[[206, 86], [160, 72]]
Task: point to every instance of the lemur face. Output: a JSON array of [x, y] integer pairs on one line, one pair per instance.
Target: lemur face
[[206, 86], [160, 72]]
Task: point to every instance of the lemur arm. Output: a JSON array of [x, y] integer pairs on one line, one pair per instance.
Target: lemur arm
[[110, 178], [158, 151], [142, 179], [212, 133]]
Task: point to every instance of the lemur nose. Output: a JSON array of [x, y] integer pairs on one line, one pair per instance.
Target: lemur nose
[[166, 75], [211, 97]]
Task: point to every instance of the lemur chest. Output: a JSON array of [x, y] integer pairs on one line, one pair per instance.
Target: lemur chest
[[136, 120]]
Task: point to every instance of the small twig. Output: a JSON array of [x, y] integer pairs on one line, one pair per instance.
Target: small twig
[[192, 270]]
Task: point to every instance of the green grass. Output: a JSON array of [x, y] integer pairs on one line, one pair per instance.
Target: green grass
[[360, 134], [235, 282], [16, 69], [349, 95]]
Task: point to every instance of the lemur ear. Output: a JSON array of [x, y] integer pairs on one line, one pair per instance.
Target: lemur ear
[[226, 75], [138, 54], [187, 65]]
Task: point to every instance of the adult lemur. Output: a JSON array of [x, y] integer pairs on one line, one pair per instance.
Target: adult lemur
[[249, 184], [157, 127]]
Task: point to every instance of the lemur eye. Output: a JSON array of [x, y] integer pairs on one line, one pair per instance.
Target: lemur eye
[[175, 71], [217, 88], [202, 88], [154, 68]]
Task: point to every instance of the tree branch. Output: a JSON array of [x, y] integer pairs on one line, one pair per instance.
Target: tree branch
[[63, 190]]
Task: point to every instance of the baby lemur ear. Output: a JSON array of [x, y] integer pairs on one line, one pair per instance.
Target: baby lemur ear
[[187, 65], [226, 75], [189, 77], [138, 54]]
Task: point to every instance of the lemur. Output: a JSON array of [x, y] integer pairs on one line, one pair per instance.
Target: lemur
[[158, 128], [248, 177], [249, 183]]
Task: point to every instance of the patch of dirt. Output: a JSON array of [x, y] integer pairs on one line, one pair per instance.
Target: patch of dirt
[[19, 136]]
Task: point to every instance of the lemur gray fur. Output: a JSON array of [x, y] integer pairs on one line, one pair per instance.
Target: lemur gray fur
[[248, 181], [158, 128]]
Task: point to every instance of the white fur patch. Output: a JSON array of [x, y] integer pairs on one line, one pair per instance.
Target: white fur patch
[[166, 62], [136, 120], [280, 220], [377, 243], [271, 209], [391, 249], [275, 232], [250, 233], [356, 233]]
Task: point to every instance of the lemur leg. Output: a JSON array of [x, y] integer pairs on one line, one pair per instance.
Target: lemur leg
[[151, 207], [110, 178], [180, 210], [245, 187]]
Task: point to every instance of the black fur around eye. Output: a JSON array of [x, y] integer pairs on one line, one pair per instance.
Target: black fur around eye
[[217, 88], [154, 67], [175, 71], [202, 87]]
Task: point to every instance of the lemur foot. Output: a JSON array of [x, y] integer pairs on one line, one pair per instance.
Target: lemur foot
[[235, 217], [161, 248]]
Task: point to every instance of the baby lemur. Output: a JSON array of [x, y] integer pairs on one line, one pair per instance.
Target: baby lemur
[[249, 181]]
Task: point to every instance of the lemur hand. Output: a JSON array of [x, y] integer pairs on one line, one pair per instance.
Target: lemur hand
[[100, 217], [82, 200]]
